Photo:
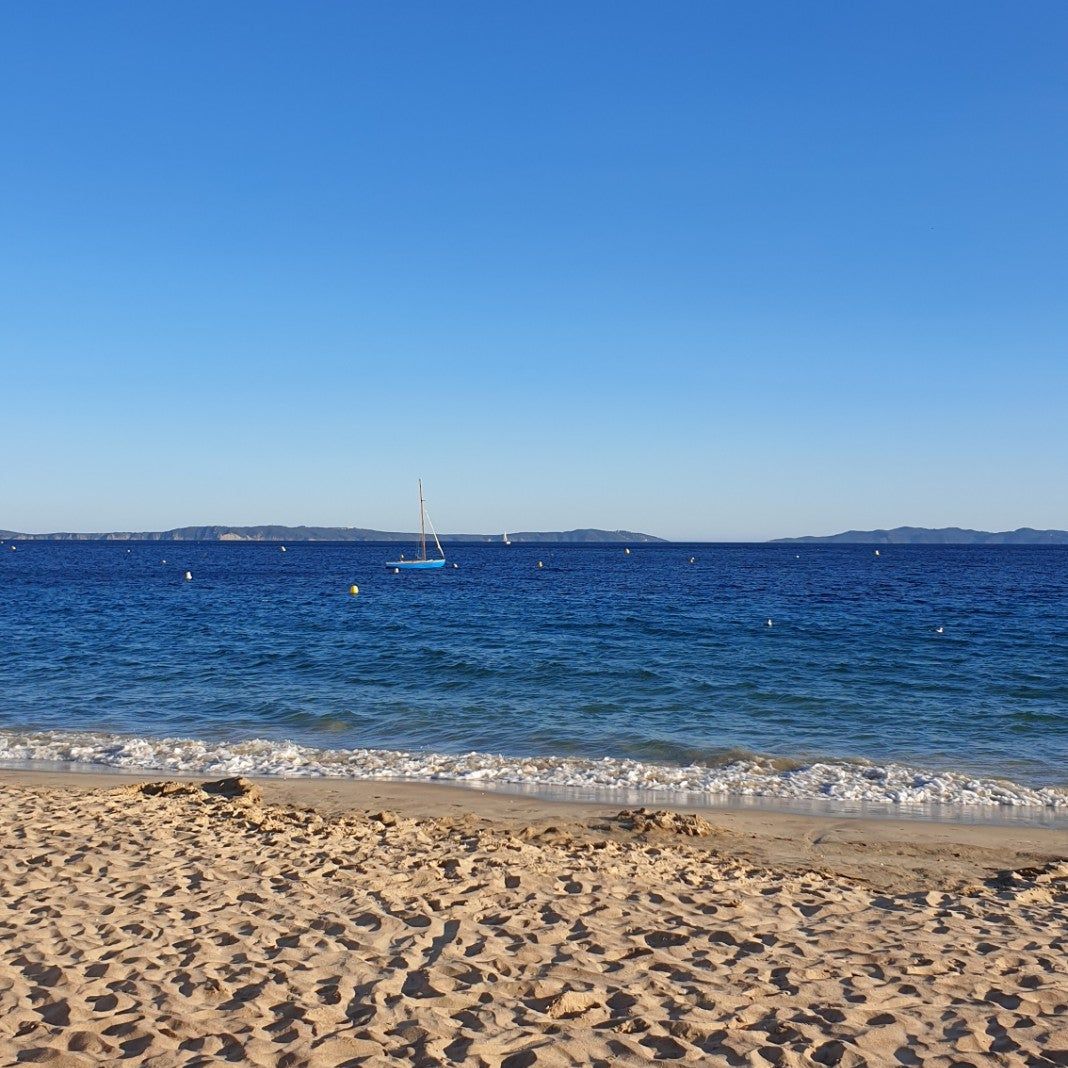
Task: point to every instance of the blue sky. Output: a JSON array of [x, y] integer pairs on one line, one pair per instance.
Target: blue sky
[[707, 270]]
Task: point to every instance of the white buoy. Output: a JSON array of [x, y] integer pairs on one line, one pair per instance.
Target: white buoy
[[540, 565], [189, 576], [354, 589], [692, 559], [163, 561], [770, 624], [396, 571], [626, 552], [455, 565], [283, 548], [940, 630], [876, 552]]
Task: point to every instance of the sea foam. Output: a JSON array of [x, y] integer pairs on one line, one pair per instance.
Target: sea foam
[[852, 782]]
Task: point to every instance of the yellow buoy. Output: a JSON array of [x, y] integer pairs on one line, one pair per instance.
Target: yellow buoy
[[354, 589]]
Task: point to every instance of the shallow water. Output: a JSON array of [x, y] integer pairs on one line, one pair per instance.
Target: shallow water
[[599, 669]]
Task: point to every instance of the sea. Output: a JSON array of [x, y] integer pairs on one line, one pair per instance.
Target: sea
[[915, 679]]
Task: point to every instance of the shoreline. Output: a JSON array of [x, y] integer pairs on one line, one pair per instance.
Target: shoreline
[[478, 794], [1020, 816], [833, 785], [889, 849]]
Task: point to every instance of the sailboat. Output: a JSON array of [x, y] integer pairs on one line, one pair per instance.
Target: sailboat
[[423, 563]]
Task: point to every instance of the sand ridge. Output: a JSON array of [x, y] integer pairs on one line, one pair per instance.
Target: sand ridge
[[181, 924]]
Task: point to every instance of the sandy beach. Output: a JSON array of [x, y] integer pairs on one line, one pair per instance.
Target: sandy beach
[[328, 923]]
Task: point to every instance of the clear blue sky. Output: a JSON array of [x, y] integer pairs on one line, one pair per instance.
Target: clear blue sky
[[706, 270]]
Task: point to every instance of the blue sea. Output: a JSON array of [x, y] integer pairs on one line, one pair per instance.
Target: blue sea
[[919, 676]]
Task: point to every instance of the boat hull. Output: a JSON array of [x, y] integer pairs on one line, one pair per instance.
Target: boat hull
[[415, 565]]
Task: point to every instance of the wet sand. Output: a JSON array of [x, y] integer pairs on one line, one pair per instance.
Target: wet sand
[[329, 922]]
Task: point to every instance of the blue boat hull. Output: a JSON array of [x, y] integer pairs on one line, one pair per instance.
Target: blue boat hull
[[415, 565]]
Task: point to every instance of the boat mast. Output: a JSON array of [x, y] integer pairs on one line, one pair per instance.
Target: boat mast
[[422, 523]]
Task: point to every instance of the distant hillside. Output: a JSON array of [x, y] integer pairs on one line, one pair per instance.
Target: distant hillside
[[295, 534], [938, 536]]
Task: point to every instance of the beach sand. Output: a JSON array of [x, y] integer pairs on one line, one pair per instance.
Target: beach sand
[[329, 923]]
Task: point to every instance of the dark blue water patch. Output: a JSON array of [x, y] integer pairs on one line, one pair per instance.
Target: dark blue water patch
[[597, 654]]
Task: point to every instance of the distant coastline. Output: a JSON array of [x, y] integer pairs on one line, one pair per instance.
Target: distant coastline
[[935, 536], [581, 536], [296, 534]]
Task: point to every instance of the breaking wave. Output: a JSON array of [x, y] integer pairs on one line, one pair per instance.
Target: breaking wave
[[753, 777]]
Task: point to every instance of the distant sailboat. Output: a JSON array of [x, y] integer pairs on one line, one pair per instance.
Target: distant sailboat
[[422, 564], [504, 538]]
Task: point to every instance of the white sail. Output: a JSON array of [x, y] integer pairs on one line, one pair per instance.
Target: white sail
[[441, 551]]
